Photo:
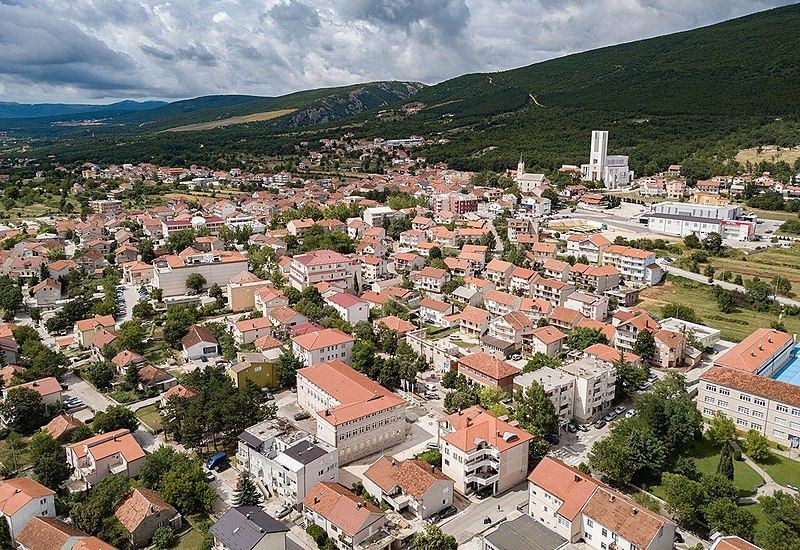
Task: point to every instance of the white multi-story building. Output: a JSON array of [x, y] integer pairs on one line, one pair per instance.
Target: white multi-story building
[[21, 499], [218, 266], [587, 246], [481, 452], [377, 216], [317, 347], [288, 463], [612, 170], [680, 219], [412, 485], [350, 308], [353, 413], [322, 266], [579, 508], [637, 267], [595, 387], [557, 384], [590, 306]]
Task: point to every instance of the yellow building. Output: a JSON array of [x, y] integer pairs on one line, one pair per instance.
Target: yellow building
[[257, 367]]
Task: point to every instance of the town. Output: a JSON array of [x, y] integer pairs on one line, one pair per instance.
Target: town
[[355, 349]]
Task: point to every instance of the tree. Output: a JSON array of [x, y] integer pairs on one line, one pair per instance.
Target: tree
[[50, 466], [114, 418], [143, 310], [757, 446], [435, 253], [92, 514], [670, 413], [179, 478], [725, 465], [432, 538], [146, 250], [645, 346], [580, 338], [759, 294], [782, 285], [286, 369], [179, 319], [23, 410], [10, 297], [246, 493], [691, 241], [629, 377], [450, 379], [363, 357], [131, 337], [196, 282], [180, 240], [363, 331], [460, 399], [101, 374], [164, 537], [35, 313], [539, 360], [684, 497], [726, 301], [535, 412], [491, 398], [727, 518], [713, 243], [318, 534], [721, 429], [132, 376], [632, 448]]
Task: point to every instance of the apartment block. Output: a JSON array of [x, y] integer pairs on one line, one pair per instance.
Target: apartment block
[[353, 413], [220, 266], [557, 384], [412, 485], [482, 453], [595, 387], [637, 267], [329, 344], [322, 266], [580, 509]]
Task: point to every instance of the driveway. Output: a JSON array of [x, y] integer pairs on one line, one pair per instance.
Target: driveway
[[87, 393], [130, 297], [575, 448], [469, 523]]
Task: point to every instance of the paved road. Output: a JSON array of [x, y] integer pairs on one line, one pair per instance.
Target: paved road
[[730, 286], [87, 393], [130, 297], [468, 523]]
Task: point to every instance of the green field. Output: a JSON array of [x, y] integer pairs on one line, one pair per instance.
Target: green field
[[774, 214], [782, 470], [765, 264], [698, 296], [150, 416], [706, 456]]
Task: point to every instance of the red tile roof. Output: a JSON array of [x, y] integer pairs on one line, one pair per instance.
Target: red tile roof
[[339, 506], [751, 353], [474, 425], [489, 365], [754, 384], [17, 492]]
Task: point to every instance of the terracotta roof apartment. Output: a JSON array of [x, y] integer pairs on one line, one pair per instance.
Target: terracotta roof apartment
[[751, 353], [606, 353], [104, 445], [733, 543], [474, 315], [17, 492], [348, 512], [98, 320], [631, 521], [137, 505], [357, 394], [435, 305], [414, 477], [62, 425], [44, 533], [489, 365], [345, 300], [197, 334], [180, 391], [400, 326], [567, 316], [473, 425], [43, 386], [753, 384], [548, 334], [324, 338], [569, 485], [321, 257], [628, 251], [253, 324]]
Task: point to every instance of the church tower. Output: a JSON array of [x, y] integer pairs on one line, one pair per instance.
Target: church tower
[[520, 166]]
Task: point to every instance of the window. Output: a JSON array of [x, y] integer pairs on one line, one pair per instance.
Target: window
[[744, 410], [755, 426], [707, 411], [777, 433], [745, 398], [782, 408], [780, 421], [562, 521], [711, 387], [741, 422], [724, 391], [710, 399], [758, 414], [722, 403], [604, 532], [589, 522], [795, 412], [760, 402]]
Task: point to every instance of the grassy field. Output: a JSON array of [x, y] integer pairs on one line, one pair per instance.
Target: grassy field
[[698, 296], [774, 214], [150, 416], [244, 119], [784, 471], [17, 458], [191, 536], [769, 153], [765, 264], [706, 456]]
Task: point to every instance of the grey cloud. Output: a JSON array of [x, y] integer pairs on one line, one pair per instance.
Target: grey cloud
[[69, 51]]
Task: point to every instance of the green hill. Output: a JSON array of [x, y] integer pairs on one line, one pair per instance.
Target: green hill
[[694, 97]]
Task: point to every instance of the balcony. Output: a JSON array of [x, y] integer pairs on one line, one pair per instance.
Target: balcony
[[483, 479], [398, 502], [120, 468], [488, 462]]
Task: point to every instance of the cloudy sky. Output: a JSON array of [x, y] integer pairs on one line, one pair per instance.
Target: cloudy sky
[[103, 50]]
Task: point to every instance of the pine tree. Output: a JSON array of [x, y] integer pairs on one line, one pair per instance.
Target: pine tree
[[246, 493], [725, 466]]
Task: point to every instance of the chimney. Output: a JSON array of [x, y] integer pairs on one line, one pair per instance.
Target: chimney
[[316, 500], [247, 515], [634, 511], [612, 498], [358, 505], [577, 478]]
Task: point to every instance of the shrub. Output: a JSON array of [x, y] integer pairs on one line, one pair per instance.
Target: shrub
[[318, 534]]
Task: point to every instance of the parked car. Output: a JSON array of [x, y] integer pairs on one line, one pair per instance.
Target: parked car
[[610, 416], [516, 357], [621, 409], [446, 513], [218, 461], [572, 428], [301, 416], [644, 387], [551, 439], [630, 414], [432, 445], [583, 427], [678, 538], [431, 395], [209, 474], [600, 423], [282, 512]]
